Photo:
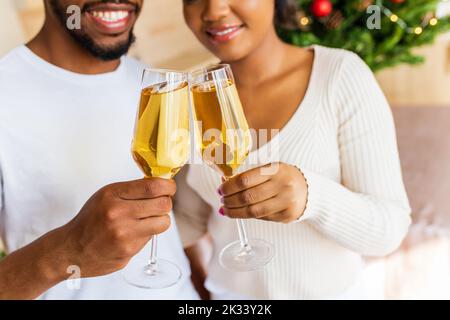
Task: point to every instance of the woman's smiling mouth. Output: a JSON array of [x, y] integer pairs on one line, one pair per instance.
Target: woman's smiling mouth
[[224, 33]]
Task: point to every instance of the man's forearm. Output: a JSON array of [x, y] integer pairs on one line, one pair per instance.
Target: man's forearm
[[33, 269]]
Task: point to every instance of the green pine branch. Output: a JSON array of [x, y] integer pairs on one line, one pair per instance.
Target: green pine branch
[[387, 47]]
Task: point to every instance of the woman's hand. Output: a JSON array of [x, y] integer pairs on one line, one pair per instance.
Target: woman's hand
[[276, 192]]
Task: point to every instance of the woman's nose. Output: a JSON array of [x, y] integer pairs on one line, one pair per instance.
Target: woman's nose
[[216, 10]]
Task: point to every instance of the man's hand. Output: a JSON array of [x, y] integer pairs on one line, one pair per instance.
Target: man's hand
[[113, 226], [116, 223]]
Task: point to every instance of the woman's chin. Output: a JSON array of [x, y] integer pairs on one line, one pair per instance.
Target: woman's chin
[[229, 56]]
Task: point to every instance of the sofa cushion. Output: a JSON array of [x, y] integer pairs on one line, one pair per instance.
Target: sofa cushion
[[424, 145]]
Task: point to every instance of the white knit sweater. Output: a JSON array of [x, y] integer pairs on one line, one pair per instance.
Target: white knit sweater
[[343, 139]]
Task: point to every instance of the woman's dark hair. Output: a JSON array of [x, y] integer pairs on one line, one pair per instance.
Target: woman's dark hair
[[285, 13]]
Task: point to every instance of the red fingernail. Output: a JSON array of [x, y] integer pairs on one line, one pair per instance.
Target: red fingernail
[[222, 212], [219, 192]]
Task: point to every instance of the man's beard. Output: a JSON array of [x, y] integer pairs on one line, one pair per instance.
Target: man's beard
[[105, 53]]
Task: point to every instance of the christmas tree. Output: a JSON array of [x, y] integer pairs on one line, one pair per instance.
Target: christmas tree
[[383, 33]]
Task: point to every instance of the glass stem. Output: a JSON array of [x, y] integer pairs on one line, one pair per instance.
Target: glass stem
[[241, 229], [153, 261], [243, 235]]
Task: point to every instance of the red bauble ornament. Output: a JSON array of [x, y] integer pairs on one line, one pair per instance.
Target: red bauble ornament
[[321, 8], [397, 1]]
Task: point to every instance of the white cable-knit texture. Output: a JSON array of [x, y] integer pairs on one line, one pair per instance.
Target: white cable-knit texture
[[343, 139]]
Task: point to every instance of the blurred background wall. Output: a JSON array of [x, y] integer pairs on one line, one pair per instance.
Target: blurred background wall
[[164, 41], [11, 28]]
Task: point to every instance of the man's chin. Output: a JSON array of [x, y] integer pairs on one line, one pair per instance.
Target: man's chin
[[102, 51]]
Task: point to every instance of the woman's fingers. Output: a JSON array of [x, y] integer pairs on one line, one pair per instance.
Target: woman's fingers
[[256, 211], [243, 182], [251, 196]]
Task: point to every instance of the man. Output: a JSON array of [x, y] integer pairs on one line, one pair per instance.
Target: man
[[68, 101]]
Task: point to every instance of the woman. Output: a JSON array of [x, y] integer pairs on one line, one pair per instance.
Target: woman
[[338, 193]]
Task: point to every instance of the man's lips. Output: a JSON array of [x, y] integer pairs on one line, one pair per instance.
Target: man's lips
[[112, 18], [223, 33]]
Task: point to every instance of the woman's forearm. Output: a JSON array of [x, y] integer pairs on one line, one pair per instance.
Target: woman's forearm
[[368, 224]]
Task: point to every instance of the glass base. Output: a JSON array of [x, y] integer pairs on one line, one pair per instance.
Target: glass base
[[165, 275], [237, 258]]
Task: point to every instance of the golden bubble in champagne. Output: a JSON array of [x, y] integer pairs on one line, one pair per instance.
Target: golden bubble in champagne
[[161, 139], [222, 130]]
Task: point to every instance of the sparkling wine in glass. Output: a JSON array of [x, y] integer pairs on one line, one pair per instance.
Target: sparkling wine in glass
[[224, 140], [160, 148]]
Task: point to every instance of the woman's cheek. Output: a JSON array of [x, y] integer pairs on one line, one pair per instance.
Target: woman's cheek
[[255, 12]]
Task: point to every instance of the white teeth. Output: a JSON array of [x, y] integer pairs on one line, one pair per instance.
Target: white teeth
[[227, 31], [110, 16]]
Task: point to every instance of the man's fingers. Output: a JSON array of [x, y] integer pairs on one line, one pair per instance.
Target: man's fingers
[[243, 181], [145, 189], [256, 211], [151, 226], [141, 209], [251, 196]]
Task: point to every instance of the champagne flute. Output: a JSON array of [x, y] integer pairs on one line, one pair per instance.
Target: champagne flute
[[160, 148], [224, 138]]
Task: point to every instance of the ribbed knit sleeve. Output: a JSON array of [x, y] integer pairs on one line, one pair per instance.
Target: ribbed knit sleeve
[[368, 212]]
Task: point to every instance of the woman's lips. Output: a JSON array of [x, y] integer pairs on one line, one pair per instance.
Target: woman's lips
[[111, 18], [224, 33]]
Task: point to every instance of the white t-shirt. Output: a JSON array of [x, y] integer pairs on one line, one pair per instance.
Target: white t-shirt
[[63, 136]]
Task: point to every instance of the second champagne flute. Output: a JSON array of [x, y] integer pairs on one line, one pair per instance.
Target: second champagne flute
[[224, 138], [160, 148]]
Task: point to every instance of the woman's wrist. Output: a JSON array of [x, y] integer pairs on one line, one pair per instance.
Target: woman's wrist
[[304, 182]]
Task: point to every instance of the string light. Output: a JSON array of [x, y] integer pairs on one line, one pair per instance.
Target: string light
[[418, 30], [304, 21], [428, 21]]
